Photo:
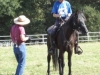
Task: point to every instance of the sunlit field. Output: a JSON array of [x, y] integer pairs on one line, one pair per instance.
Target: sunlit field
[[86, 64]]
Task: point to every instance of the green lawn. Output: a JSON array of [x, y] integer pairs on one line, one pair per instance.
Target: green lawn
[[86, 64]]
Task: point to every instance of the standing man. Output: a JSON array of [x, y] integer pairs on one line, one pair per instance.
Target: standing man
[[61, 9], [18, 37]]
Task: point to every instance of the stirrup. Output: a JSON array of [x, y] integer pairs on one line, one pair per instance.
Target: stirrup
[[51, 50], [79, 51]]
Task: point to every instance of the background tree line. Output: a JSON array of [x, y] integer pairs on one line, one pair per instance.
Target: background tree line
[[39, 12]]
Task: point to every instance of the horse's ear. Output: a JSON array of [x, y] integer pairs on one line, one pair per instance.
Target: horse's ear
[[76, 12], [82, 10]]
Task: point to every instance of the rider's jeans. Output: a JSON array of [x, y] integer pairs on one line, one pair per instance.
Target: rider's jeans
[[20, 54]]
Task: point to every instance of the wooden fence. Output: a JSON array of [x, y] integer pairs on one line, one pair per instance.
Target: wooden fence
[[92, 37], [42, 39]]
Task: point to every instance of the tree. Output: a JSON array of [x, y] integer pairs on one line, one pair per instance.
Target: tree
[[7, 12], [39, 12], [92, 10], [93, 18]]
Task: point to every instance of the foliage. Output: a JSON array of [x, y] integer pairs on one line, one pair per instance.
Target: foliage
[[39, 12], [93, 18], [7, 12], [92, 10], [8, 7], [34, 10]]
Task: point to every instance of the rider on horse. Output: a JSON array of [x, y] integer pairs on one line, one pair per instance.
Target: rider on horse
[[61, 11]]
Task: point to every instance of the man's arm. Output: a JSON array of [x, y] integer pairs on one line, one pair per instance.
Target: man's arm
[[23, 37]]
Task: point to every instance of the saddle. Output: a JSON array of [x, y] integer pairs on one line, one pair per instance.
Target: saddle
[[50, 30], [53, 31]]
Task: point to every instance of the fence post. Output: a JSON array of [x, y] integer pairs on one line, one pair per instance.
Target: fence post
[[43, 39], [99, 37], [88, 36]]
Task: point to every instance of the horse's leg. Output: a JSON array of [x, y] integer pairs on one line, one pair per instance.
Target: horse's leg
[[59, 61], [61, 64], [69, 62], [48, 60]]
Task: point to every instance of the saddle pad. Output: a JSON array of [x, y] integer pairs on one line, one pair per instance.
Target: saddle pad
[[50, 30]]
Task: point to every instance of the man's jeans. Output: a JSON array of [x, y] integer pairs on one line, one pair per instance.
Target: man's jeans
[[20, 54]]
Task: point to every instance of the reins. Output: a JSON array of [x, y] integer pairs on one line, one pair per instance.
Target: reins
[[65, 40]]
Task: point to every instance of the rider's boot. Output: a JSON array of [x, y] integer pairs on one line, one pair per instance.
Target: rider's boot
[[52, 39], [52, 48], [77, 48]]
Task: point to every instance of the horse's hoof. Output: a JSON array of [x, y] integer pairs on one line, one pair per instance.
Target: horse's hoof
[[69, 74], [48, 74]]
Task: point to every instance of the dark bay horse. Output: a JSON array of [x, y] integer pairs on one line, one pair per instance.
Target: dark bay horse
[[65, 41]]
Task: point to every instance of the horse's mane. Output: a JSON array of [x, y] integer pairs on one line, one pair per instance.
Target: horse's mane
[[71, 21]]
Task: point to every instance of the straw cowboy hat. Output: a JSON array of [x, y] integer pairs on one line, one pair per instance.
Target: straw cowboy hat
[[21, 20]]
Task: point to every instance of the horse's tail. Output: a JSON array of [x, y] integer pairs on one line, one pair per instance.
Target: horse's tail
[[55, 60]]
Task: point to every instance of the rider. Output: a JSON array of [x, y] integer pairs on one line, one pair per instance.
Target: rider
[[61, 10]]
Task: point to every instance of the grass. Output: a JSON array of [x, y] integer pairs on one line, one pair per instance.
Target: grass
[[86, 64]]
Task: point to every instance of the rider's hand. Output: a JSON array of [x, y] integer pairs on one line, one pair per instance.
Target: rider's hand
[[57, 15], [66, 19]]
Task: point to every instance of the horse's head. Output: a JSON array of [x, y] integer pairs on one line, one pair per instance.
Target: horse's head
[[78, 22]]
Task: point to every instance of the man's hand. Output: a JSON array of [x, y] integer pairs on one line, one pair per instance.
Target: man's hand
[[29, 39], [57, 15]]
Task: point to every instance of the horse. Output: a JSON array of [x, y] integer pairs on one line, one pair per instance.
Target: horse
[[66, 40]]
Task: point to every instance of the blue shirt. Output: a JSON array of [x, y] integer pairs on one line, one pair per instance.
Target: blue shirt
[[63, 8]]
